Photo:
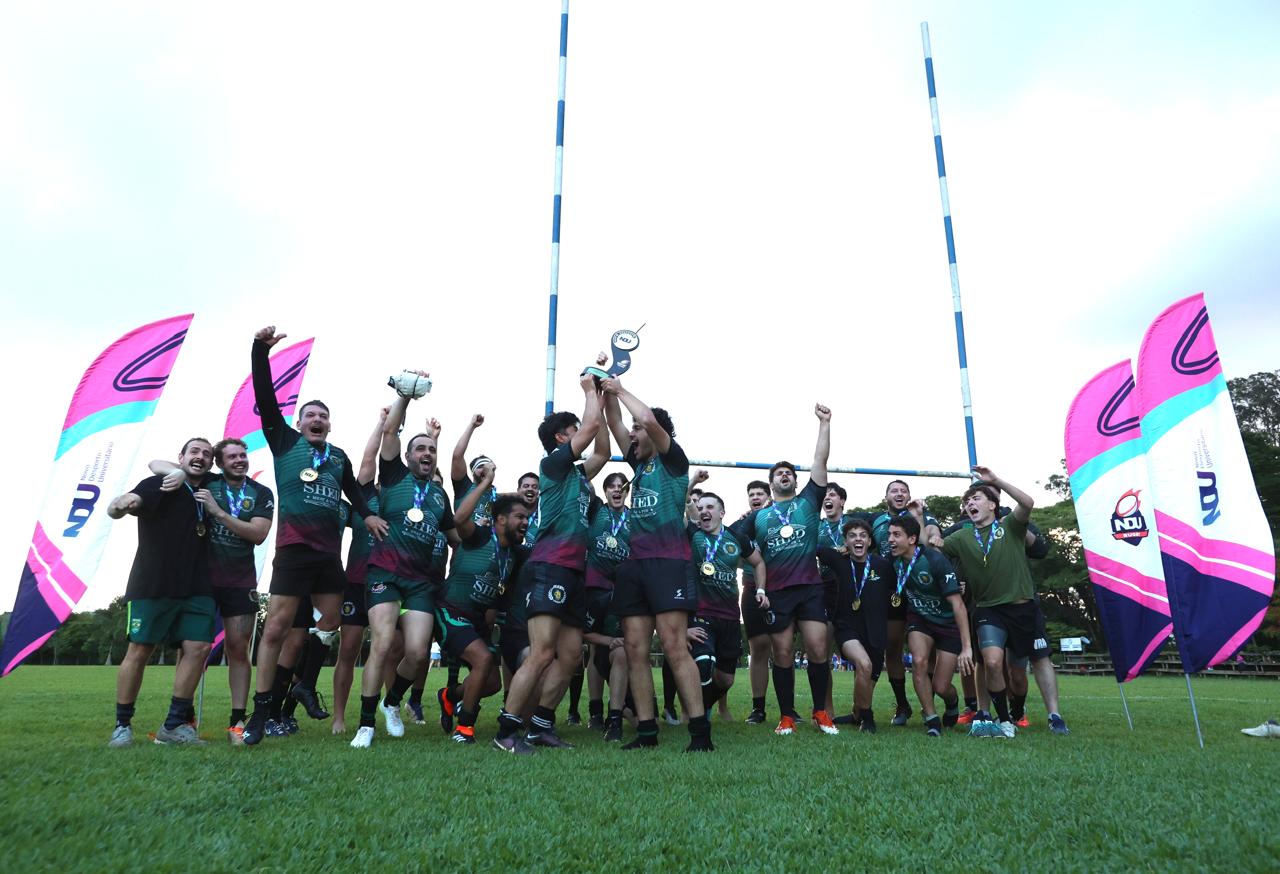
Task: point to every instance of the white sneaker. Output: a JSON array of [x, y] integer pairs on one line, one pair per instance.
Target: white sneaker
[[183, 734], [1270, 728], [395, 725], [364, 738], [122, 737], [1008, 729]]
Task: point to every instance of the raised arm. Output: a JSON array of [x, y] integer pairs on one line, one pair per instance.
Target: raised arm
[[458, 465], [264, 392], [391, 429], [1022, 511], [369, 459], [463, 520], [590, 416], [639, 411], [613, 418], [599, 457], [126, 504], [822, 450]]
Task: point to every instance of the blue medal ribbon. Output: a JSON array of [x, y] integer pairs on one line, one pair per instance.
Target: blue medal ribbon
[[318, 460], [199, 506], [713, 547], [615, 525], [859, 586], [234, 502], [904, 576], [991, 539], [785, 520], [419, 494], [833, 532], [504, 561]]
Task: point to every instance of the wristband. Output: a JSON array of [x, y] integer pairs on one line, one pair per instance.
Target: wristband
[[759, 592]]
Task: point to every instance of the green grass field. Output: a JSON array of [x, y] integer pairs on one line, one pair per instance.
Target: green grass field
[[1104, 798]]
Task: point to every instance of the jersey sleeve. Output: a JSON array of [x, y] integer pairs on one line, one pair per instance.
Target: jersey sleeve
[[559, 463], [1014, 527], [354, 491], [745, 528], [480, 535], [264, 503], [280, 437], [149, 491], [390, 472], [813, 493], [447, 522], [944, 573], [674, 460], [461, 487], [951, 544]]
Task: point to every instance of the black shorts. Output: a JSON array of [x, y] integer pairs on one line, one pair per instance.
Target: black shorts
[[830, 595], [304, 616], [234, 601], [752, 616], [649, 586], [723, 643], [354, 609], [846, 633], [299, 570], [553, 590], [1020, 627], [461, 629], [946, 638], [598, 601], [794, 604], [511, 644]]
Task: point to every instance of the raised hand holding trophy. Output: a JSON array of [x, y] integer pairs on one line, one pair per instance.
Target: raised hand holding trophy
[[624, 342]]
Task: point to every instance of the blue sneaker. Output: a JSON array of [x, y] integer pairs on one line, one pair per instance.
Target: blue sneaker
[[1057, 724], [276, 728], [514, 744], [985, 728]]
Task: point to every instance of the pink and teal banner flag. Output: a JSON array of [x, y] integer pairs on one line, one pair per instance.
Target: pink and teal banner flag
[[92, 464], [1215, 544], [1107, 463]]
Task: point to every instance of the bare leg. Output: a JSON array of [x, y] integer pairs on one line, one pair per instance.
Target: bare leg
[[637, 631], [672, 627], [236, 646], [921, 645], [343, 671], [187, 675], [280, 611], [129, 677]]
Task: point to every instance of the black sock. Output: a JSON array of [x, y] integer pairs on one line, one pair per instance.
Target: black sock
[[819, 680], [595, 707], [124, 714], [900, 692], [866, 716], [453, 694], [970, 703], [454, 670], [699, 726], [614, 714], [415, 696], [466, 717], [313, 661], [290, 705], [668, 687], [757, 704], [177, 712], [280, 688], [262, 702], [711, 693], [399, 686], [934, 721], [544, 719], [1001, 701], [575, 691], [1017, 706], [236, 716], [784, 689], [508, 723], [647, 728], [950, 698], [368, 710]]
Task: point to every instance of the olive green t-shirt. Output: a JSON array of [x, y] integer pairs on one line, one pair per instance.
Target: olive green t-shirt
[[1004, 576]]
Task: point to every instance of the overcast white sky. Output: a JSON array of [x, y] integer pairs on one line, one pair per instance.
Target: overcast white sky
[[755, 181]]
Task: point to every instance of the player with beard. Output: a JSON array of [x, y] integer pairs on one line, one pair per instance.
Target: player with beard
[[759, 646], [715, 635], [312, 475], [240, 513], [863, 582], [464, 482], [992, 557], [830, 535], [399, 576], [168, 593], [527, 488], [552, 579], [937, 625], [487, 561], [896, 497], [787, 535], [608, 545], [655, 587]]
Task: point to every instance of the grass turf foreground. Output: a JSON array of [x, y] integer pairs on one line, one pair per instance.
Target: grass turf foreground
[[1103, 798]]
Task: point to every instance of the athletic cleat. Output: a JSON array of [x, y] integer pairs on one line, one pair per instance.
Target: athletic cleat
[[574, 718], [235, 734], [513, 744], [446, 711], [985, 728], [868, 725], [391, 715], [364, 737], [1058, 725], [122, 737], [901, 715], [800, 720], [642, 742], [847, 719], [310, 700], [950, 717], [290, 725], [933, 731], [255, 729], [1022, 722], [670, 716], [596, 723], [415, 708], [548, 738], [464, 734], [786, 726], [183, 734], [966, 717], [755, 717], [276, 728], [1270, 728], [700, 744], [613, 731], [1008, 730], [822, 720]]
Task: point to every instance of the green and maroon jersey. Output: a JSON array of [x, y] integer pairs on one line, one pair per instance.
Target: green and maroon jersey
[[724, 553], [563, 503], [657, 504], [788, 561], [408, 549], [481, 572], [604, 527], [925, 579], [231, 563], [361, 540]]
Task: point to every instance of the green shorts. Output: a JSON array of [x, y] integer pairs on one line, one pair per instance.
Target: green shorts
[[154, 621], [382, 587]]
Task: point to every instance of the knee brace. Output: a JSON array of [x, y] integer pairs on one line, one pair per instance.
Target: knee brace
[[706, 668]]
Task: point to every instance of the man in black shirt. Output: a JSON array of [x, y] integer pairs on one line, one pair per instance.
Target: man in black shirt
[[169, 596]]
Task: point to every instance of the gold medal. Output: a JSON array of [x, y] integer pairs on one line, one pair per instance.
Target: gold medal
[[895, 600], [200, 529], [708, 569], [611, 542], [857, 604], [786, 531], [415, 515], [308, 474]]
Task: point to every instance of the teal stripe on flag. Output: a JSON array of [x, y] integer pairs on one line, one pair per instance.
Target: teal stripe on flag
[[1096, 467], [1169, 414], [120, 414], [255, 441]]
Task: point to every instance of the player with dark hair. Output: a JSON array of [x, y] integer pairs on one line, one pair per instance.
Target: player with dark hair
[[527, 487], [608, 545], [466, 477], [759, 646]]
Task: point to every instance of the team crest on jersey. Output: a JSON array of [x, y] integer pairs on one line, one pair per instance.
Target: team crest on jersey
[[1127, 522], [378, 588], [135, 625], [925, 578], [246, 504], [556, 594], [648, 468], [731, 549], [348, 608], [999, 535]]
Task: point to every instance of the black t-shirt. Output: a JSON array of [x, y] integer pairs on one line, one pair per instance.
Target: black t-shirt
[[871, 587], [171, 559]]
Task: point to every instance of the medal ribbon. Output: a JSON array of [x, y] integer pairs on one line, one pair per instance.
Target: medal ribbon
[[420, 493], [235, 502], [785, 520], [904, 576], [199, 506], [615, 525], [318, 460], [833, 531], [713, 547], [991, 539], [859, 586], [504, 561]]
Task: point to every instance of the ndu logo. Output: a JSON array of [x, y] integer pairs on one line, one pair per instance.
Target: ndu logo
[[81, 508], [1127, 523]]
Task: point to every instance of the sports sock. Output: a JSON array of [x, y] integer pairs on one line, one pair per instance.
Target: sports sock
[[784, 689], [313, 660], [236, 716], [647, 728], [614, 714], [668, 687], [595, 707], [711, 693], [290, 705], [189, 715], [758, 704], [466, 717], [280, 688], [262, 702], [819, 679], [699, 726], [951, 700], [415, 696], [865, 715], [177, 712], [575, 691], [124, 714], [1017, 706], [900, 692], [454, 670], [368, 710], [453, 694], [1001, 701], [970, 703], [508, 723], [399, 686], [544, 719], [934, 721]]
